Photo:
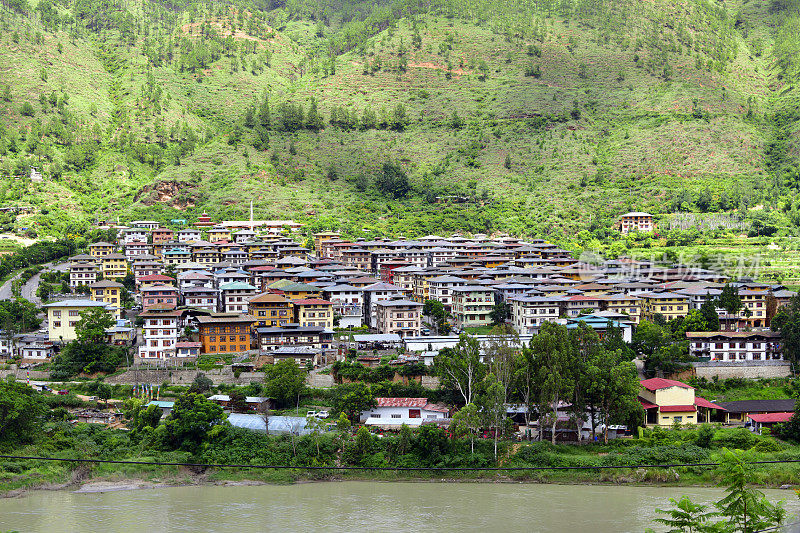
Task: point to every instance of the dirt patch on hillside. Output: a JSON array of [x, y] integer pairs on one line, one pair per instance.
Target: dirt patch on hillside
[[166, 192], [434, 66]]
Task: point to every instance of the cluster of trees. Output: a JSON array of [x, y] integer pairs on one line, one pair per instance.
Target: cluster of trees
[[89, 353], [559, 365], [287, 116]]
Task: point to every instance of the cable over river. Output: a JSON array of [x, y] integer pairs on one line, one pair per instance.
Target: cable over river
[[355, 506]]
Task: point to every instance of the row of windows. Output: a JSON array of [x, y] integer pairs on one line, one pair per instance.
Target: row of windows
[[224, 348], [231, 338]]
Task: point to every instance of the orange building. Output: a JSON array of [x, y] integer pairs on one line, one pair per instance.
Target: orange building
[[225, 333]]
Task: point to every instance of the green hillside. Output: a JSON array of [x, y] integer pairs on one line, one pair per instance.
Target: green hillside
[[535, 117]]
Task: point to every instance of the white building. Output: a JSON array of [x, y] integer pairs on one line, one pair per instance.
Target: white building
[[375, 293], [736, 345], [348, 304], [529, 312], [635, 221], [234, 297], [441, 288], [409, 411], [159, 333]]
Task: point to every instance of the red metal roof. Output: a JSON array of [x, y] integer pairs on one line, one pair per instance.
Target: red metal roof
[[646, 404], [156, 277], [677, 408], [770, 417], [702, 402], [401, 402], [661, 383]]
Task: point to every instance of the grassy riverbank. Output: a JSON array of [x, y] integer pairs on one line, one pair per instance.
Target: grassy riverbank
[[430, 448]]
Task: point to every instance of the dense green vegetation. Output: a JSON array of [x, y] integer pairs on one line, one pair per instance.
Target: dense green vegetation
[[518, 116]]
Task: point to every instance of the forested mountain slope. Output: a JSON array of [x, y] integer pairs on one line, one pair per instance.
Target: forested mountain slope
[[535, 117]]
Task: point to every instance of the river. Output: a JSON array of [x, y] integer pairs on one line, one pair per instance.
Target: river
[[354, 506]]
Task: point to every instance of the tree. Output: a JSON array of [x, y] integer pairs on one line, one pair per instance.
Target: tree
[[89, 357], [351, 399], [686, 517], [237, 402], [104, 393], [648, 338], [22, 412], [467, 421], [18, 315], [399, 117], [285, 382], [392, 180], [746, 509], [500, 354], [613, 386], [787, 322], [729, 299], [709, 312], [552, 360], [743, 509], [201, 383], [140, 415], [790, 430], [493, 407], [435, 309], [191, 419], [93, 324], [460, 367], [27, 109], [500, 313]]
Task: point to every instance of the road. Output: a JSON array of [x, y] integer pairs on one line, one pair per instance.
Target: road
[[28, 290]]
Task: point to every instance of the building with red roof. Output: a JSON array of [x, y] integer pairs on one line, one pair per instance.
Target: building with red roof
[[394, 412], [667, 401], [768, 420]]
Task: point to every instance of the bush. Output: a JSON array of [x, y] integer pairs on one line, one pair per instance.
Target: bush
[[654, 455], [734, 438]]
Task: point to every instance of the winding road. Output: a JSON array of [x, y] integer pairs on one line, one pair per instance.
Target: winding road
[[28, 290]]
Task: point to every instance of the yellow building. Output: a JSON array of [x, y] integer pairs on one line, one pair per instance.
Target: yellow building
[[219, 234], [108, 292], [667, 402], [62, 317], [669, 304], [114, 266], [300, 291], [271, 309], [313, 312], [101, 249]]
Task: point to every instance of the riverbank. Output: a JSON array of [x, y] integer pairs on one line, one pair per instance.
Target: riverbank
[[101, 482]]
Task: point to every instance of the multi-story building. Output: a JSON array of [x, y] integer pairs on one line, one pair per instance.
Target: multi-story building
[[440, 288], [114, 266], [160, 328], [736, 345], [472, 305], [225, 333], [271, 338], [403, 317], [375, 293], [668, 304], [199, 297], [234, 296], [176, 256], [622, 303], [348, 304], [82, 271], [99, 249], [529, 312], [108, 292], [162, 235], [635, 221], [188, 235], [667, 402], [314, 312], [62, 317], [159, 295], [271, 310]]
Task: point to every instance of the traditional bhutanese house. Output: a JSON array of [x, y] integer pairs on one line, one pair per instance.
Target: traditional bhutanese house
[[187, 350], [100, 249], [225, 333], [270, 309], [314, 312], [162, 235], [114, 266], [159, 295], [413, 412], [155, 279], [667, 402], [108, 292], [669, 304]]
